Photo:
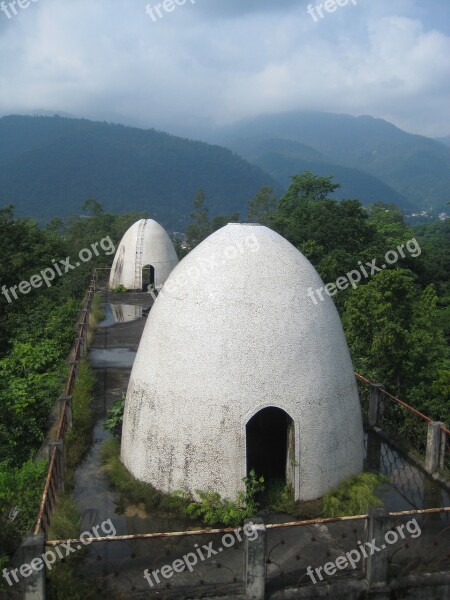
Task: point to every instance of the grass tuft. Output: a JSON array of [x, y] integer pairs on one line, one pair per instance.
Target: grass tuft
[[355, 496], [78, 439], [279, 497], [134, 491]]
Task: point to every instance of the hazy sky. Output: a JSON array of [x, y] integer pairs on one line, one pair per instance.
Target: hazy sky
[[217, 61]]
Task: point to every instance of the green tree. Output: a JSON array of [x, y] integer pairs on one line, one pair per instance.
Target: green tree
[[333, 235], [434, 239], [394, 337], [389, 224], [262, 206], [377, 318], [202, 226], [25, 250]]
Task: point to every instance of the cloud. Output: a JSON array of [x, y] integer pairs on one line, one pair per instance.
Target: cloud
[[238, 8], [217, 62]]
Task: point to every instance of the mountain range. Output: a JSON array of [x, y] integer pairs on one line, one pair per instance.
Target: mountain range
[[50, 165], [371, 157]]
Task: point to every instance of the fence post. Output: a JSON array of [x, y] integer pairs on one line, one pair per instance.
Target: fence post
[[373, 450], [435, 455], [255, 559], [32, 568], [443, 447], [377, 563], [68, 401], [375, 404], [59, 445]]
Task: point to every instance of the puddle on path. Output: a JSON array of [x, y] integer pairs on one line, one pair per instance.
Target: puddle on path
[[118, 358], [122, 313]]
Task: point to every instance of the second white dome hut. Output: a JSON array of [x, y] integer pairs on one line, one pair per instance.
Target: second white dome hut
[[145, 256]]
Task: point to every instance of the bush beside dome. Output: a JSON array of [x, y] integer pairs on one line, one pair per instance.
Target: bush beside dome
[[235, 356]]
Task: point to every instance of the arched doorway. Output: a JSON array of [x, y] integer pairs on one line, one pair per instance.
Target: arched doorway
[[148, 277], [270, 441]]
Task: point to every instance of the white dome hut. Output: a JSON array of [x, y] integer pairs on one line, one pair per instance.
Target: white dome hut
[[238, 369], [145, 256]]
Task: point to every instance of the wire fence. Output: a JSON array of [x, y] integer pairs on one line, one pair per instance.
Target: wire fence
[[177, 564], [297, 554], [429, 553]]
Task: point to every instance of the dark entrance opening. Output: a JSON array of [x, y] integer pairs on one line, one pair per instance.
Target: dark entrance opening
[[148, 277], [271, 445]]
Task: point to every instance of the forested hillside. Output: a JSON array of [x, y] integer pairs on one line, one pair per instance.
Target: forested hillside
[[281, 158], [49, 166]]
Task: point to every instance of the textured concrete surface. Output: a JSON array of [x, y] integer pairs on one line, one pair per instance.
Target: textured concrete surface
[[232, 332], [145, 243]]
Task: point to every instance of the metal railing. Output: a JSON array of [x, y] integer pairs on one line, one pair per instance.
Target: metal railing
[[403, 421], [56, 466], [292, 551]]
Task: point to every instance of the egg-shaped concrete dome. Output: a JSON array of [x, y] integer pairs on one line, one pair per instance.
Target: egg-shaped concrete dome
[[238, 369], [145, 252]]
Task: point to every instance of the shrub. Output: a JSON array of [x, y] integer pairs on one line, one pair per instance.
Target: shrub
[[355, 496], [20, 495], [120, 289], [212, 509], [279, 497], [114, 420]]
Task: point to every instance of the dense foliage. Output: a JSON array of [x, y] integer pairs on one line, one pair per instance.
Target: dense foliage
[[36, 333], [396, 318], [212, 509], [20, 494]]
